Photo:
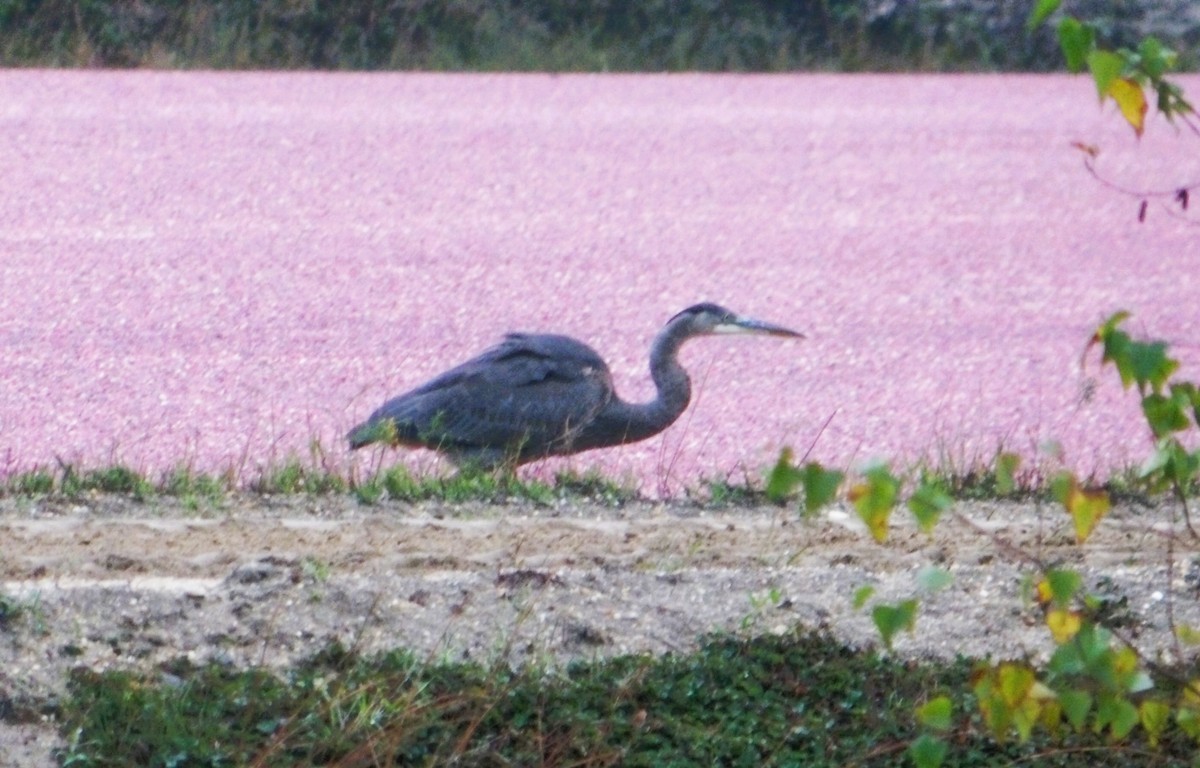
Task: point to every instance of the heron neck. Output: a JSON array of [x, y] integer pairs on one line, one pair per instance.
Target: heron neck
[[621, 422], [674, 388], [673, 392]]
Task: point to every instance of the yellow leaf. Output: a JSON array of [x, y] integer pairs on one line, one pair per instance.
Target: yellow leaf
[[863, 496], [1015, 681], [1188, 635], [1063, 624], [1086, 509], [1043, 593], [1130, 100]]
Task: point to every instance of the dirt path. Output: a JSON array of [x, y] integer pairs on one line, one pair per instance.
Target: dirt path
[[110, 582]]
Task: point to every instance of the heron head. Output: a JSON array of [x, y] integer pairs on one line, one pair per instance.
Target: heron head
[[708, 318]]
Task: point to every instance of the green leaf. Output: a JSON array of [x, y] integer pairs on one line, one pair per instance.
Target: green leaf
[[874, 498], [1086, 507], [1117, 714], [928, 503], [1076, 40], [820, 486], [935, 713], [1076, 705], [890, 619], [1007, 465], [1041, 12], [1149, 364], [1156, 59], [927, 751], [783, 478], [1154, 716], [1063, 584], [1187, 393], [932, 578], [1164, 414], [1105, 67], [862, 595]]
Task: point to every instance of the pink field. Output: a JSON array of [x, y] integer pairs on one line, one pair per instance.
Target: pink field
[[214, 268]]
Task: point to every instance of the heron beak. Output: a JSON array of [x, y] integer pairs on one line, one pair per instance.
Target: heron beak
[[750, 325]]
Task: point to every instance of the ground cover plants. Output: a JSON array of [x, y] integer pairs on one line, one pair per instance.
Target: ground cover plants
[[796, 699]]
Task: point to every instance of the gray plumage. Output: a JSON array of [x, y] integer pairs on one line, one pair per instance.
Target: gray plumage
[[537, 395]]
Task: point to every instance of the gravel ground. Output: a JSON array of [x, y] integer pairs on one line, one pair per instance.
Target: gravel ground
[[111, 583]]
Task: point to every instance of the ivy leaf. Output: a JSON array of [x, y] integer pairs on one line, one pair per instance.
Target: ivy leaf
[[1105, 67], [933, 578], [928, 503], [1076, 40], [935, 713], [1041, 12], [1118, 714], [1063, 585], [1189, 395], [1149, 364], [862, 595], [1076, 705], [1131, 100], [890, 619], [1086, 507], [1116, 346], [874, 498], [1154, 716], [1063, 624], [927, 751], [1164, 414], [1156, 59], [783, 478], [820, 486]]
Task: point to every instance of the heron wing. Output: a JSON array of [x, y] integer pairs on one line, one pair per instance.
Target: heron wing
[[529, 393]]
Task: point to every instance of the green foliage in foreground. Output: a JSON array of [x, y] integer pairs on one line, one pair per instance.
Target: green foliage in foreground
[[800, 699]]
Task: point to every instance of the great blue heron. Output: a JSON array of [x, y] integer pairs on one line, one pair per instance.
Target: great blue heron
[[537, 395]]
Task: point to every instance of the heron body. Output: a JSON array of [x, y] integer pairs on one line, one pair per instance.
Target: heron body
[[538, 395]]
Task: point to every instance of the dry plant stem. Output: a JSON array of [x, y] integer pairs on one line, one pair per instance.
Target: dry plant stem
[[817, 438], [1170, 594], [1187, 517]]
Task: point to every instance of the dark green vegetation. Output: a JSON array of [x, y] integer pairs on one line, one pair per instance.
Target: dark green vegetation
[[590, 35], [800, 699]]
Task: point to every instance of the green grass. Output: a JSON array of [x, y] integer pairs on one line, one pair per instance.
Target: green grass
[[799, 699], [398, 483], [318, 475]]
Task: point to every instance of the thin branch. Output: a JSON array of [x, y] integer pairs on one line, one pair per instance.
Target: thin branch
[[1173, 192]]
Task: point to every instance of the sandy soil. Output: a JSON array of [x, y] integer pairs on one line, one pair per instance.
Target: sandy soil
[[109, 582]]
